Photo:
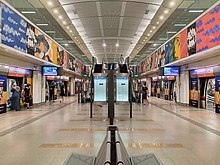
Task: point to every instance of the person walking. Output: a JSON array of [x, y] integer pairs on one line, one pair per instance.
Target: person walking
[[62, 92], [144, 94], [52, 87], [15, 98], [27, 96]]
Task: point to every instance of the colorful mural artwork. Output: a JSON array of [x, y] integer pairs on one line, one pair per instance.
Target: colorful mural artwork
[[13, 29], [20, 34], [207, 30]]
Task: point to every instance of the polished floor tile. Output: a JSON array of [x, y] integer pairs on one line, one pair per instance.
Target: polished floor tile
[[47, 134]]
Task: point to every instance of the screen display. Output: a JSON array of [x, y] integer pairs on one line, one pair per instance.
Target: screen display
[[171, 71], [50, 71], [99, 88], [122, 89]]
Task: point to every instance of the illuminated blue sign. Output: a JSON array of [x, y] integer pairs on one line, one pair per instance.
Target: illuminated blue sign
[[171, 71]]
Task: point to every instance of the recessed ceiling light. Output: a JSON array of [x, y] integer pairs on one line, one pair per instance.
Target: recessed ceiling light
[[151, 31], [117, 44], [145, 37], [64, 22], [60, 17], [49, 3], [28, 12], [172, 3], [104, 44], [67, 27], [196, 11], [66, 44], [158, 22], [55, 11], [180, 24], [42, 24], [154, 27], [75, 37], [161, 17], [171, 32], [166, 11], [71, 31], [148, 34]]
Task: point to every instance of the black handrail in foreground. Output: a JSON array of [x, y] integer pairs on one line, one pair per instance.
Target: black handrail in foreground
[[112, 151]]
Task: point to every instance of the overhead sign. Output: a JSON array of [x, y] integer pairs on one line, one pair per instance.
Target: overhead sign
[[100, 88], [122, 88], [171, 71]]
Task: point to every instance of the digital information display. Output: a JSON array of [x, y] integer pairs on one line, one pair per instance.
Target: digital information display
[[171, 71], [122, 89], [50, 71], [99, 88]]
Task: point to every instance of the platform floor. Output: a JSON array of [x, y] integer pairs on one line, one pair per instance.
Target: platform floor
[[47, 134]]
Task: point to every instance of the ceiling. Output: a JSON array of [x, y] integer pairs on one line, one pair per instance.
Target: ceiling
[[107, 29]]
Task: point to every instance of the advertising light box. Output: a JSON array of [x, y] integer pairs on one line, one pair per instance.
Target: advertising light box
[[122, 89], [171, 71], [99, 88], [50, 71]]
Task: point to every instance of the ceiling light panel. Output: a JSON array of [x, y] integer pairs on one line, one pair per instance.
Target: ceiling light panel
[[103, 19]]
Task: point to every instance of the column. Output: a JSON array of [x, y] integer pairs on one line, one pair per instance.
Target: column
[[183, 87], [37, 87]]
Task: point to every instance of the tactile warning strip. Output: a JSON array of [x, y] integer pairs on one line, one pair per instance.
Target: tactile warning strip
[[14, 128], [67, 145], [189, 120], [120, 129], [155, 145]]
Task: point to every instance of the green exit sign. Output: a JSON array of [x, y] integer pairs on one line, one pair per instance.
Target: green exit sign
[[85, 75], [136, 75]]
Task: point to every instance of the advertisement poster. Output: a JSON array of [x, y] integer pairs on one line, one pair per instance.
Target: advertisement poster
[[60, 54], [183, 44], [54, 52], [148, 63], [3, 93], [169, 51], [176, 47], [65, 60], [43, 46], [79, 66], [207, 30], [99, 88], [31, 40], [166, 89], [161, 54], [158, 89], [153, 61], [217, 94], [122, 89], [191, 39], [194, 94], [13, 31], [72, 63]]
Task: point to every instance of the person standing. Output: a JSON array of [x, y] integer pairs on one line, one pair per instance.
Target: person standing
[[15, 98], [144, 94], [52, 87], [62, 92], [27, 96]]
